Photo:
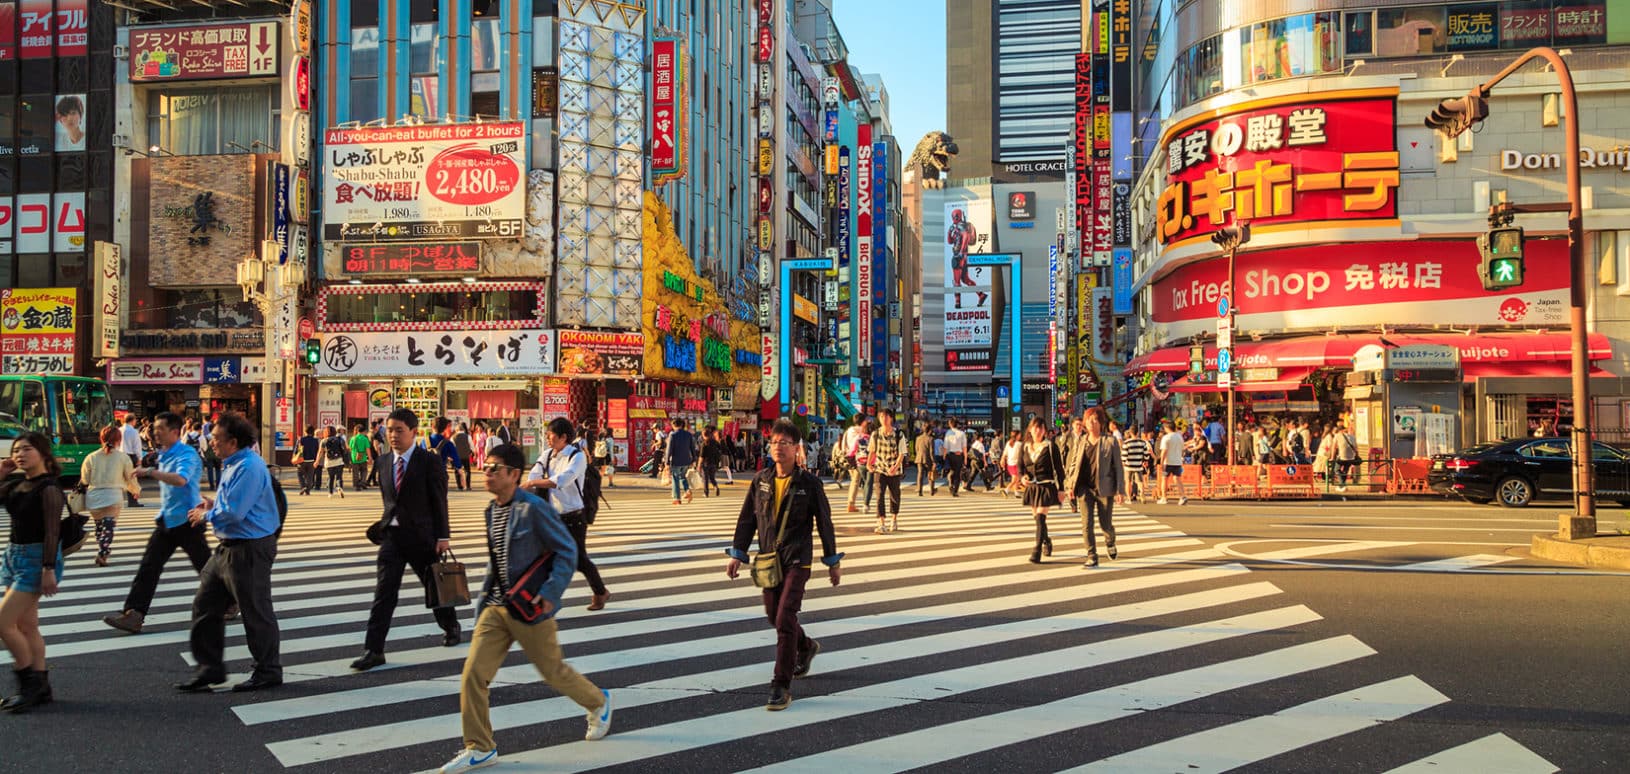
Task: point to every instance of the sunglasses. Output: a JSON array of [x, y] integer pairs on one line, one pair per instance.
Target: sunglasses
[[495, 467]]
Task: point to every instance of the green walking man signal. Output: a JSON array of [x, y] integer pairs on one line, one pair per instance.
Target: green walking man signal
[[314, 351], [1502, 264]]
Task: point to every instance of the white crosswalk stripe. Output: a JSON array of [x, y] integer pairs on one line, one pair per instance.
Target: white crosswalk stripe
[[942, 616]]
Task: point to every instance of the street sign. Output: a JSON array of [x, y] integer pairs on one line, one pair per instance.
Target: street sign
[[1225, 332], [1222, 307], [1225, 368]]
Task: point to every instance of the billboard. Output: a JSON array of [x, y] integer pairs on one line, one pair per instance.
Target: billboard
[[971, 304], [438, 353], [204, 52], [443, 181], [668, 119], [37, 330], [1315, 160]]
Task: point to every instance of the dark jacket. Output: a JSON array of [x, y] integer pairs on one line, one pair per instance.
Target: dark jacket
[[712, 453], [420, 509], [1103, 476], [681, 449], [534, 528], [806, 508]]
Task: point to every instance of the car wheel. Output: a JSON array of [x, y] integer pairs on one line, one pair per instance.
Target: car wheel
[[1514, 492], [1479, 500]]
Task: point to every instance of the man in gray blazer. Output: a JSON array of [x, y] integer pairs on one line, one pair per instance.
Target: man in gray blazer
[[1093, 474]]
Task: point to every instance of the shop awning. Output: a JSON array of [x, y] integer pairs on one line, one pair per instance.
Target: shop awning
[[1472, 371], [1337, 351], [1289, 379]]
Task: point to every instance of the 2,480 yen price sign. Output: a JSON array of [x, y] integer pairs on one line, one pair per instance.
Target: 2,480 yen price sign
[[472, 175]]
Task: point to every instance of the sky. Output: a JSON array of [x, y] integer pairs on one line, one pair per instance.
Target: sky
[[904, 41]]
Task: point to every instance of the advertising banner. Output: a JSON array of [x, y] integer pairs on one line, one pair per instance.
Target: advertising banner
[[34, 29], [1121, 280], [1404, 283], [594, 353], [863, 235], [1322, 162], [1082, 157], [169, 370], [8, 225], [8, 30], [438, 353], [108, 295], [1086, 378], [412, 258], [1103, 336], [204, 51], [442, 181], [971, 305], [37, 330], [667, 110]]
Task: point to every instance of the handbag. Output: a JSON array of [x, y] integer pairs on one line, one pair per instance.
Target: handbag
[[525, 598], [452, 583], [767, 563]]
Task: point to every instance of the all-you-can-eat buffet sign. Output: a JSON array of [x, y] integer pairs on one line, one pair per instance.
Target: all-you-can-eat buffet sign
[[447, 181]]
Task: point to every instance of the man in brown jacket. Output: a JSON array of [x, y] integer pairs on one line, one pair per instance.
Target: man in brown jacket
[[925, 461], [786, 501]]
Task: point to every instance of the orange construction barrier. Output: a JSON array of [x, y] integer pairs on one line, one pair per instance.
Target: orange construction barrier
[[1409, 476], [1234, 481], [1290, 481], [1194, 484]]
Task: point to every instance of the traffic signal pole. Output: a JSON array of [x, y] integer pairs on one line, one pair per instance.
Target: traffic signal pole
[[1455, 116]]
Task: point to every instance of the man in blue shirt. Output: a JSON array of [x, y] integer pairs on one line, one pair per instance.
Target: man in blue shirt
[[179, 469], [245, 518], [1216, 439]]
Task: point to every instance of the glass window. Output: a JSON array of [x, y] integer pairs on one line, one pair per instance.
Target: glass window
[[1525, 24], [33, 271], [83, 410], [365, 52], [35, 414], [1546, 450], [8, 127], [424, 88], [364, 13], [364, 99], [1579, 23], [432, 306], [1358, 30], [202, 121], [36, 122], [1411, 31], [484, 82]]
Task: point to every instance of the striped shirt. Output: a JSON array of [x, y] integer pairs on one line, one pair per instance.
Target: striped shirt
[[1134, 454], [498, 546]]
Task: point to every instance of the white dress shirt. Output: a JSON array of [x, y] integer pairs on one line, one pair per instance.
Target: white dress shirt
[[565, 468], [956, 441], [130, 441]]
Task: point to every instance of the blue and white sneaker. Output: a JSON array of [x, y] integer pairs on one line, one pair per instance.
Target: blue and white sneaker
[[600, 721], [470, 760]]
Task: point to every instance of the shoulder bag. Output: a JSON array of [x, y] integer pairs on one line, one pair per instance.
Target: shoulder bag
[[525, 600], [767, 563]]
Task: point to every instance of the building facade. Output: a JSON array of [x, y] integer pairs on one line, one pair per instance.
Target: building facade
[[1364, 222]]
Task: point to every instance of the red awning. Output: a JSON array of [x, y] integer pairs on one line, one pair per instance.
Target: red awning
[[1337, 351], [1289, 379], [1562, 370]]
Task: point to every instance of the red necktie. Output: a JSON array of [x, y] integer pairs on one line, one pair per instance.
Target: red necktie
[[401, 469]]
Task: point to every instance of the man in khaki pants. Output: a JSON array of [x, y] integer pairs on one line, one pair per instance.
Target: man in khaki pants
[[521, 529]]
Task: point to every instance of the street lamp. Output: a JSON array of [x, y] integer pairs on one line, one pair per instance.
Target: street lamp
[[1229, 239], [269, 285], [1454, 116]]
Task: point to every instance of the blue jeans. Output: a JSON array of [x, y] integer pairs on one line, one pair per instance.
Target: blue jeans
[[21, 568], [679, 478]]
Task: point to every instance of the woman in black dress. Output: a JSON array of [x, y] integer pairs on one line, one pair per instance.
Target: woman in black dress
[[1043, 469], [32, 566]]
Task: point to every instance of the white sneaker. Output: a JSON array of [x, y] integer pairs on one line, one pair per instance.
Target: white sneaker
[[1161, 501], [470, 760], [1182, 501], [600, 722]]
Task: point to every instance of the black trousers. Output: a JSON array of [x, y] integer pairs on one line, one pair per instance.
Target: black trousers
[[308, 476], [925, 475], [953, 465], [1103, 509], [888, 485], [161, 545], [585, 565], [394, 558], [710, 478], [373, 471], [240, 571]]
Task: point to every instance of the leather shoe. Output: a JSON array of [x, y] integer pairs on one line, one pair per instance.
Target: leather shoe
[[256, 683], [598, 601], [201, 684], [369, 660], [449, 638]]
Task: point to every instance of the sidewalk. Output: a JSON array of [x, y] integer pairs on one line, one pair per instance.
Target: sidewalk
[[1603, 552]]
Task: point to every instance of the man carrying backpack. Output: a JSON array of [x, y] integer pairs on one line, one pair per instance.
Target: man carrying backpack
[[564, 475]]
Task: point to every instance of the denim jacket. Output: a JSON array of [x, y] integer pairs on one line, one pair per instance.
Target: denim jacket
[[534, 527]]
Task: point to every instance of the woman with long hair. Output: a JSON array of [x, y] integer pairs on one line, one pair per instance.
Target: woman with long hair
[[1010, 463], [33, 562], [107, 476], [1043, 470]]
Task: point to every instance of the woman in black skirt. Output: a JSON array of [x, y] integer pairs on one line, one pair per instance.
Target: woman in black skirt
[[1043, 469]]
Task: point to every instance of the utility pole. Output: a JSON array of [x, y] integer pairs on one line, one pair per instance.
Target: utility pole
[[1453, 117], [1230, 239]]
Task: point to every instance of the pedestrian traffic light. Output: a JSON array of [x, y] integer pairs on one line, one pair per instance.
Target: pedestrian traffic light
[[1502, 265], [314, 351]]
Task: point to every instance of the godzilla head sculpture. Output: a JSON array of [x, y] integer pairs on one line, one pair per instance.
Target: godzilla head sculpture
[[932, 158]]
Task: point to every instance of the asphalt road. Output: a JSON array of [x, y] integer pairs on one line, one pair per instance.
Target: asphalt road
[[1364, 636]]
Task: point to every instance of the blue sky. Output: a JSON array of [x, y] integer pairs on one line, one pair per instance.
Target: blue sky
[[904, 40]]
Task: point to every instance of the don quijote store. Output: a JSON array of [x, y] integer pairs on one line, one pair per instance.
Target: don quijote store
[[1358, 295]]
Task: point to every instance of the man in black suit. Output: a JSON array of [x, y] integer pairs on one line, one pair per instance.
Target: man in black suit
[[412, 532]]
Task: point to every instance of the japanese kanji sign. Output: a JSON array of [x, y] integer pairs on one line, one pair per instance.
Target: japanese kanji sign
[[667, 110], [212, 51], [444, 181], [412, 258], [37, 330], [1312, 162], [438, 353]]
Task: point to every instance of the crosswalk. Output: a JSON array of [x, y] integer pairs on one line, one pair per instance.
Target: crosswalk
[[942, 647]]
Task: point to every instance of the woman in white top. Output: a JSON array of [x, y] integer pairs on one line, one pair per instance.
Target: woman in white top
[[106, 475], [1010, 462]]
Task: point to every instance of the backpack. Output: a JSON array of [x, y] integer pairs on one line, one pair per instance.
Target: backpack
[[1296, 444], [282, 505]]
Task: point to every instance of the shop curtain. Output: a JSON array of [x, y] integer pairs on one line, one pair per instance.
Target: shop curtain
[[356, 403], [491, 404]]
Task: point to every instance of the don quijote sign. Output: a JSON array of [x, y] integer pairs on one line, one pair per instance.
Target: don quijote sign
[[446, 181]]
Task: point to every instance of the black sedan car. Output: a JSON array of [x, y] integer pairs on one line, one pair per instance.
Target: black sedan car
[[1517, 472]]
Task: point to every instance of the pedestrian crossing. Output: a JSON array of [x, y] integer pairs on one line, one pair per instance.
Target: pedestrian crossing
[[942, 647]]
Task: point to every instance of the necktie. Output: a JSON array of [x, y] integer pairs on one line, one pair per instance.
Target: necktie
[[401, 469]]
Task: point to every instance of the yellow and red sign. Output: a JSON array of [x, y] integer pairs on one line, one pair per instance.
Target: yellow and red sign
[[1312, 162], [667, 110], [37, 330]]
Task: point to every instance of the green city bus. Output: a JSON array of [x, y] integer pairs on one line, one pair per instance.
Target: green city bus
[[71, 410]]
